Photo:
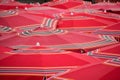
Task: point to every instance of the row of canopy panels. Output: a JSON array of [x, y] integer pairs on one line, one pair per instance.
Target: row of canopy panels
[[59, 40]]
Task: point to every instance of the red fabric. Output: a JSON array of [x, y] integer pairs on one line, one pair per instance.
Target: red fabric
[[95, 72], [98, 17], [13, 5], [7, 7], [80, 23], [111, 50], [106, 6], [113, 30], [67, 5], [5, 36], [95, 21], [25, 19], [21, 77], [46, 61], [4, 49], [113, 27], [42, 60], [39, 47], [51, 40], [44, 11], [85, 67]]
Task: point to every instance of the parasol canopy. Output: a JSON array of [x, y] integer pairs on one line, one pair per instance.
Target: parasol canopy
[[100, 71], [110, 30], [60, 39], [41, 63], [45, 9], [106, 6], [4, 49], [9, 4], [9, 17], [72, 20], [67, 5]]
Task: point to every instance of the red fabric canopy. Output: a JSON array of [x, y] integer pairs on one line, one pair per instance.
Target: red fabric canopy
[[47, 43], [6, 5]]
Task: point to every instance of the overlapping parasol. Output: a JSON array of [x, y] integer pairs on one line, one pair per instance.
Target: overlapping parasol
[[113, 30], [106, 6], [41, 61], [9, 4], [64, 4], [86, 21], [61, 39], [9, 17], [52, 58]]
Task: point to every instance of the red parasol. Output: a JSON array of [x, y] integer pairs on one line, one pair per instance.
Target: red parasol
[[27, 20], [44, 10], [67, 5], [4, 49], [111, 50], [48, 59], [42, 63], [83, 21], [109, 66], [110, 30], [9, 17], [96, 72], [61, 39], [64, 4], [4, 36], [106, 6], [6, 5]]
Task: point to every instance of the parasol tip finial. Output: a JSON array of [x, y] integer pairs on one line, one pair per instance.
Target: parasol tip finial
[[26, 8], [71, 13], [105, 11], [12, 0], [37, 44], [16, 7]]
